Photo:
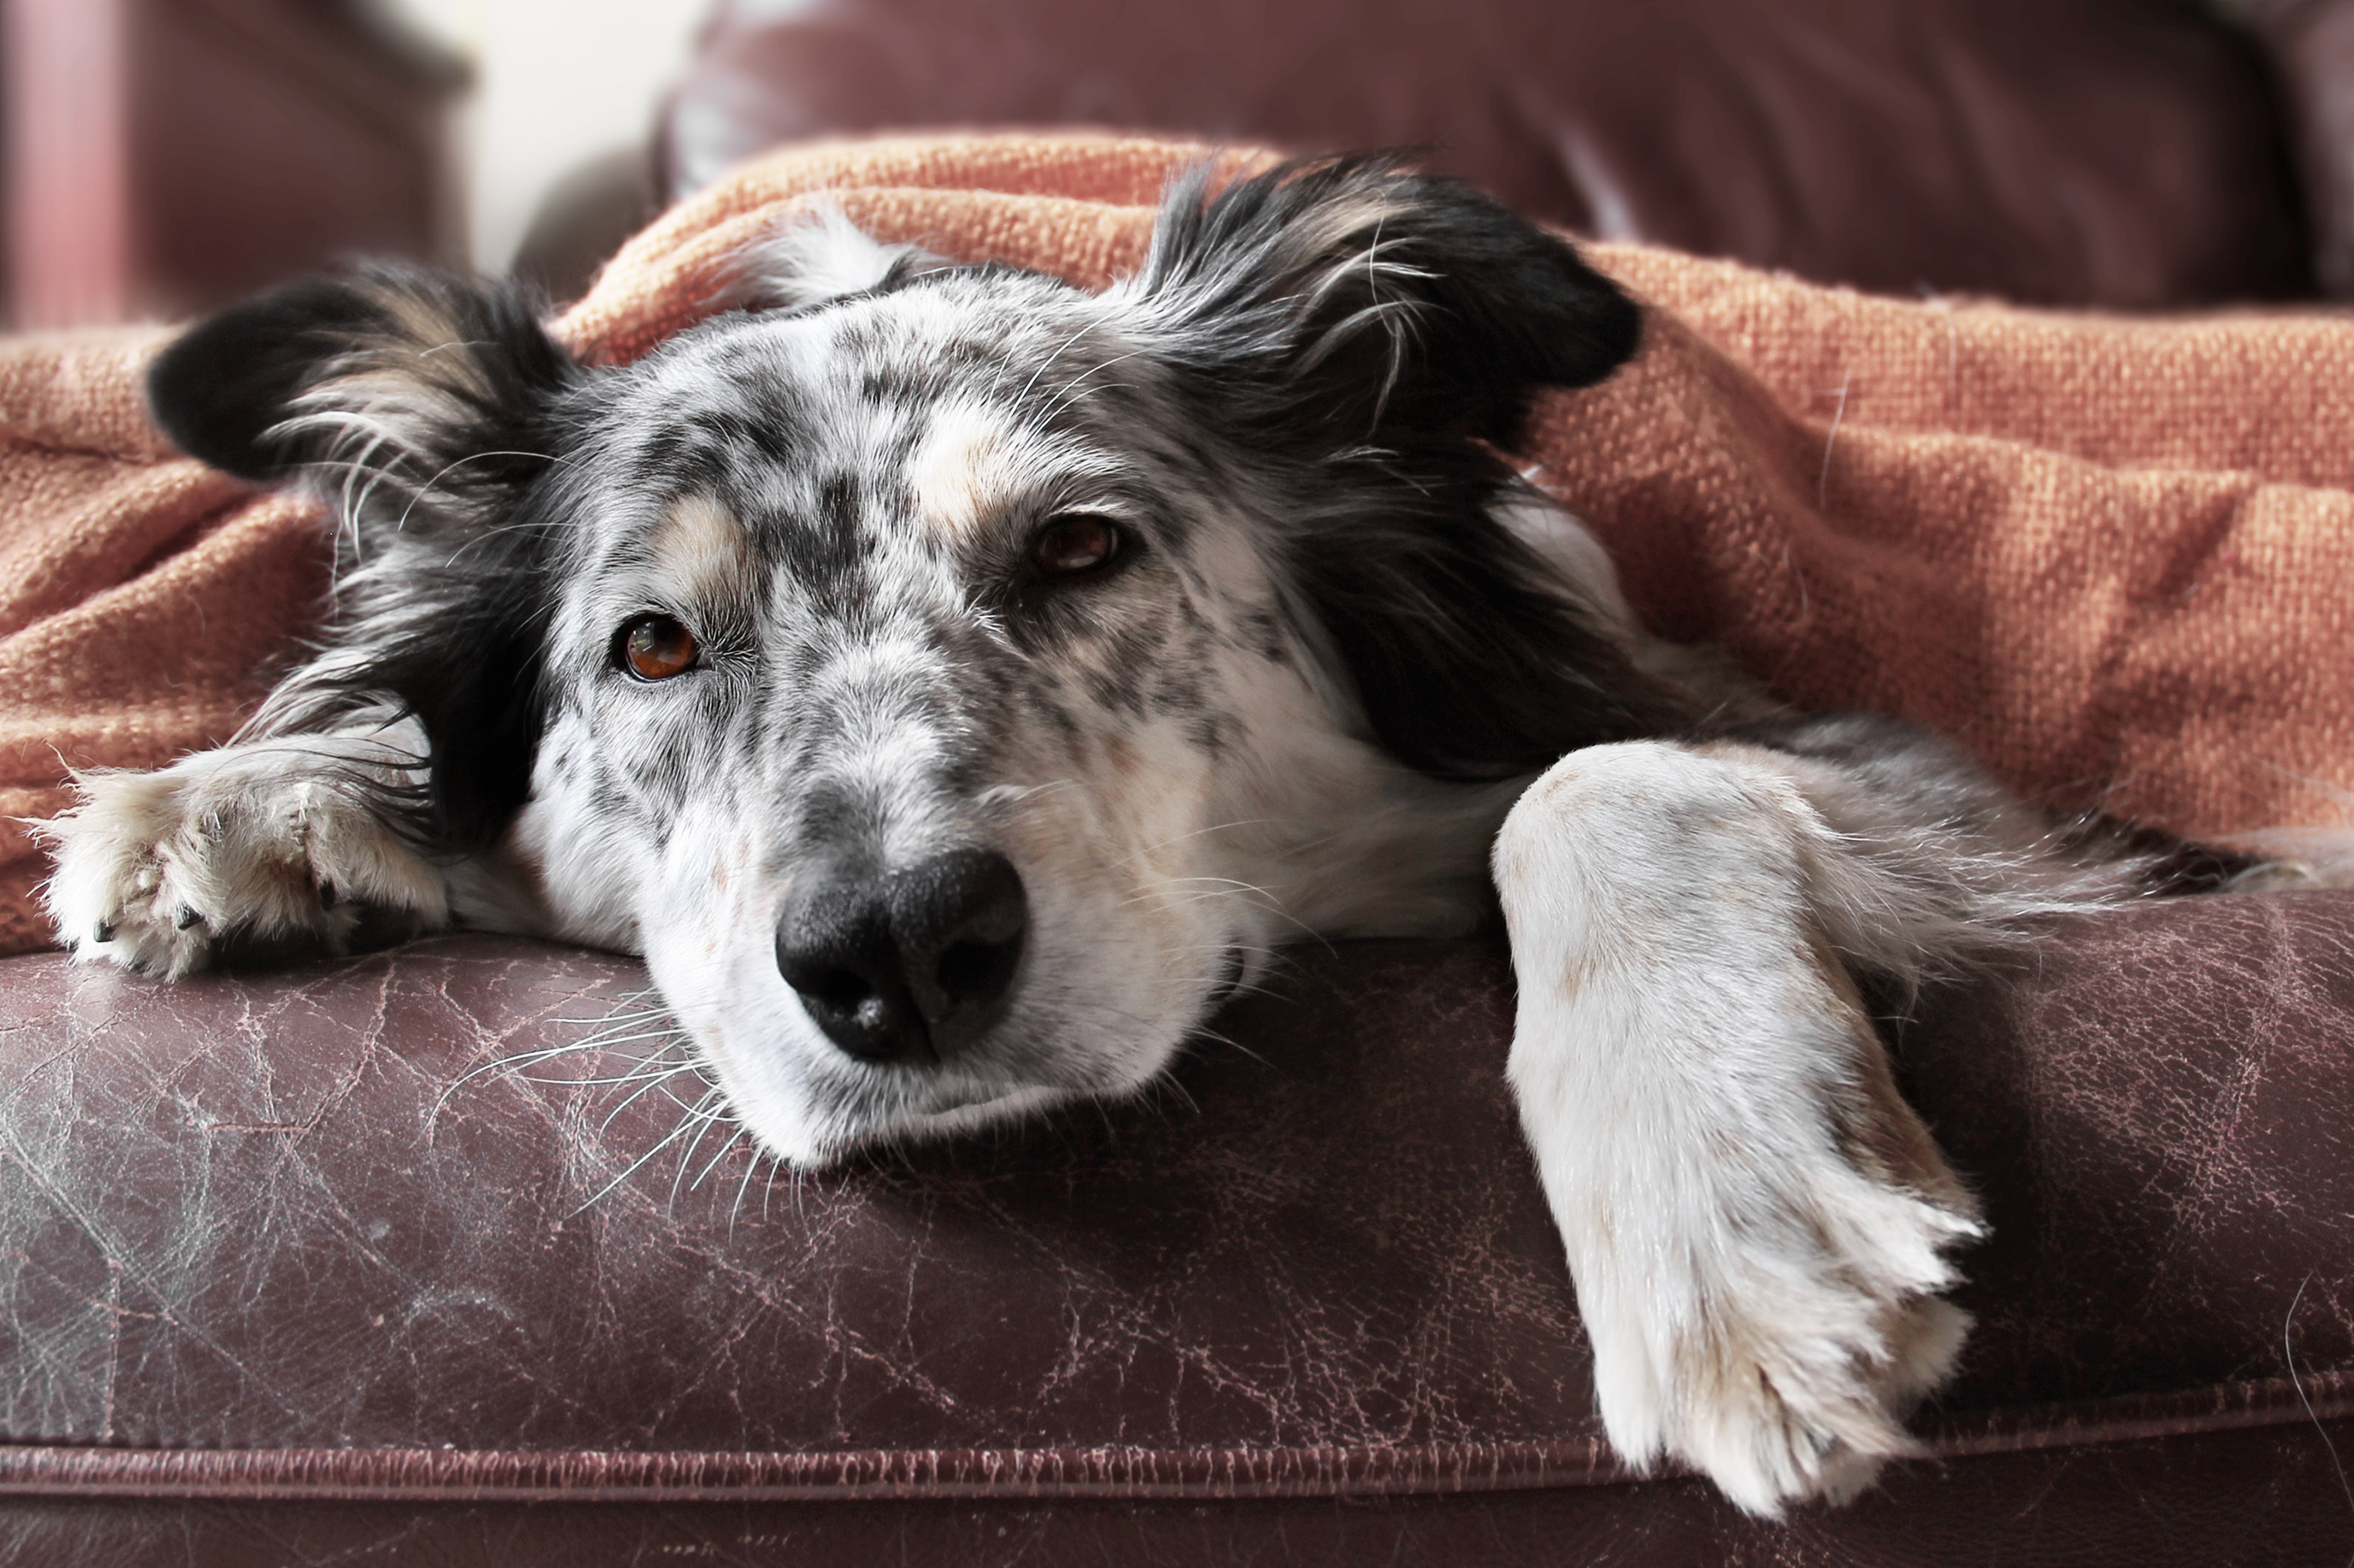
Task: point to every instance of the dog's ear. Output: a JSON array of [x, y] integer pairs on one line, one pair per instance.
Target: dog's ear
[[428, 406], [1345, 300], [1382, 334], [396, 369]]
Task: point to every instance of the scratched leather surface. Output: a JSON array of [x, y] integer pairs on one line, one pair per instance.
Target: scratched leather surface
[[274, 1211], [2161, 1123], [255, 1211]]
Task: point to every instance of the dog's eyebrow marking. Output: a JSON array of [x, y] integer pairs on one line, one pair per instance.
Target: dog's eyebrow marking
[[963, 469], [698, 552], [977, 462]]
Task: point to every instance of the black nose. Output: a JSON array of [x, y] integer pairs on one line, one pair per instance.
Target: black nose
[[911, 965]]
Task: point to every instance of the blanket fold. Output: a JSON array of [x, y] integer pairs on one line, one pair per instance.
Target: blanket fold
[[2106, 556]]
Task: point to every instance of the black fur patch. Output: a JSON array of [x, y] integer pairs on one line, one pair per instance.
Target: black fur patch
[[439, 405], [219, 389], [1382, 334], [1347, 300]]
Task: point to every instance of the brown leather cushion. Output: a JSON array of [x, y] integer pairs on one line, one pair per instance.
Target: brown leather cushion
[[2124, 152], [290, 1235]]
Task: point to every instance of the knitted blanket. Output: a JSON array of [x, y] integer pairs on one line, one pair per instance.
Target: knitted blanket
[[2111, 557]]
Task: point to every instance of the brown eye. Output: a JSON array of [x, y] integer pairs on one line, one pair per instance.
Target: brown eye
[[656, 647], [1074, 543]]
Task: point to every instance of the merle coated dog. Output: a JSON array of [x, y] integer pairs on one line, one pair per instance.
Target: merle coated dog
[[955, 682]]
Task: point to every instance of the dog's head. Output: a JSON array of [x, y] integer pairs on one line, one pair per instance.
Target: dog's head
[[952, 680]]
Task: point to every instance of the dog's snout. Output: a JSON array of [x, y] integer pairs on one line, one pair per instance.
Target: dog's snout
[[911, 965]]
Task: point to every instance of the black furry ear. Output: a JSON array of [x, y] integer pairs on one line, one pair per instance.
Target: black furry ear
[[430, 409], [400, 364], [221, 387], [1378, 336], [1351, 297]]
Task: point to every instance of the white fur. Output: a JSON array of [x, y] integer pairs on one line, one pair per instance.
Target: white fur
[[820, 255], [152, 867], [1687, 1048]]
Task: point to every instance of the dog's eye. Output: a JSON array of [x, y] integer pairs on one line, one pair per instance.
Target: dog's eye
[[656, 647], [1074, 543]]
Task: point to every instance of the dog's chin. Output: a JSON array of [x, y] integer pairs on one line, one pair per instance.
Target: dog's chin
[[812, 1120], [821, 1126], [1014, 1105], [814, 1144]]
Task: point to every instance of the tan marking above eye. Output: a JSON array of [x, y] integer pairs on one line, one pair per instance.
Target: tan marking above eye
[[1074, 543], [657, 647], [967, 468], [699, 554]]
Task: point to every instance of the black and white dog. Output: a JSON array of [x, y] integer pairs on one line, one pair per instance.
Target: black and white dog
[[955, 682]]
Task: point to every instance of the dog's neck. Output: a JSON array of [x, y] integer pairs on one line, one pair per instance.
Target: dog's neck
[[1339, 840]]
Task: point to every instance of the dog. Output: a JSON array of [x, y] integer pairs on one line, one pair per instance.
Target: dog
[[956, 683]]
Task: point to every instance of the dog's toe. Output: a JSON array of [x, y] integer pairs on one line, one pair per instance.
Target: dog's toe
[[1817, 1415], [1786, 1370]]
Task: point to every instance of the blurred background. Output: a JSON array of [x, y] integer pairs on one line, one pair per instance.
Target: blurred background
[[162, 156]]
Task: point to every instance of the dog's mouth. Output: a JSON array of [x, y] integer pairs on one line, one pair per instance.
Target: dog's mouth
[[1232, 968], [1020, 1104], [1003, 1079], [905, 1105]]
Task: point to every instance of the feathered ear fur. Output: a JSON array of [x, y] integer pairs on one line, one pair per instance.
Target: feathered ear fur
[[430, 409], [1366, 300], [1382, 334], [821, 257], [393, 368]]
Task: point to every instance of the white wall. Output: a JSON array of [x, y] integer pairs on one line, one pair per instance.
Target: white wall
[[558, 82]]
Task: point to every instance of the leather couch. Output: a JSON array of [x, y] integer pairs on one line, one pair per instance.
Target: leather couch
[[296, 1274], [431, 1256]]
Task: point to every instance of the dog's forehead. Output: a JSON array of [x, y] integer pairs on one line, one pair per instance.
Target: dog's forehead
[[877, 452], [840, 379], [937, 403]]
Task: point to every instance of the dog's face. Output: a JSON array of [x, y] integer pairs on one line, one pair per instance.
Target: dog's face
[[955, 681], [964, 713]]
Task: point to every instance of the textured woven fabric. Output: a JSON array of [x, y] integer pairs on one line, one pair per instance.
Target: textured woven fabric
[[140, 592], [2105, 555]]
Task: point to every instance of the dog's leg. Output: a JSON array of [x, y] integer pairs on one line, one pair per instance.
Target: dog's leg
[[1755, 1219], [287, 837]]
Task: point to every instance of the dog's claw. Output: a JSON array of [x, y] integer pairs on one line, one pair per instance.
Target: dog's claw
[[102, 932], [185, 918]]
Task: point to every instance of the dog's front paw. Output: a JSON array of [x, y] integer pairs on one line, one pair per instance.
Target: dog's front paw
[[156, 869], [1756, 1221], [147, 878], [1780, 1352], [125, 862], [1760, 1267]]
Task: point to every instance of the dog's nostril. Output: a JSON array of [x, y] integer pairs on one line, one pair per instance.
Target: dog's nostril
[[965, 916], [976, 969], [834, 946], [861, 1020], [836, 989], [909, 965]]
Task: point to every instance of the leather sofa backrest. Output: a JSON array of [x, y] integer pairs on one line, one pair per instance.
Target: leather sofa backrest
[[2119, 152]]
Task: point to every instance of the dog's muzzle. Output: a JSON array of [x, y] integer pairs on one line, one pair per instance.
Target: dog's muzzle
[[907, 966]]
